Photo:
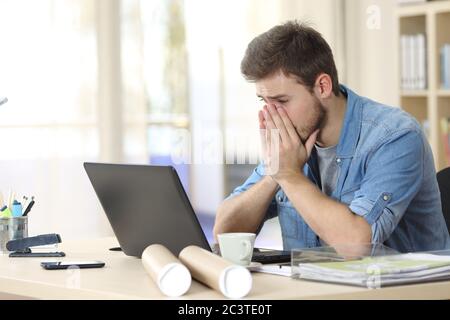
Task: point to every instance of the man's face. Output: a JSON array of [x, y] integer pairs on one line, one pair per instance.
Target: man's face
[[303, 107]]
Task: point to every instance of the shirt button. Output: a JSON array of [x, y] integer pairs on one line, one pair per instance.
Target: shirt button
[[280, 199], [338, 160], [385, 197]]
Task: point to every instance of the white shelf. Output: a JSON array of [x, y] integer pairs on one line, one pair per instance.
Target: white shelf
[[421, 8], [444, 92], [414, 93], [431, 18]]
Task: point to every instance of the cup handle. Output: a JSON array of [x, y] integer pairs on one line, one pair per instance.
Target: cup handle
[[248, 252]]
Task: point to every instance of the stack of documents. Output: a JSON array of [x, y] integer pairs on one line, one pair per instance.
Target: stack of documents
[[277, 269], [375, 272], [445, 134]]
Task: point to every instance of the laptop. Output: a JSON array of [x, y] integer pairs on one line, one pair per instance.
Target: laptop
[[147, 205]]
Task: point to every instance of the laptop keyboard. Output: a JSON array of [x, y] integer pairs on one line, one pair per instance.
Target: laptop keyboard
[[264, 256], [271, 256]]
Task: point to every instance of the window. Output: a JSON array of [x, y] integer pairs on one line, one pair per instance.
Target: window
[[155, 79], [48, 71]]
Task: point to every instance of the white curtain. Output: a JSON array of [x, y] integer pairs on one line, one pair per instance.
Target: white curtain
[[48, 70]]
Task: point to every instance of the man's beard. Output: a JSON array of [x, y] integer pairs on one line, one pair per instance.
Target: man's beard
[[317, 121]]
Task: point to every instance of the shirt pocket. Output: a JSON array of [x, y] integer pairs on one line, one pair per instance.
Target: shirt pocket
[[289, 220]]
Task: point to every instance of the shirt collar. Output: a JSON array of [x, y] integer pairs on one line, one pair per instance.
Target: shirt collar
[[352, 125]]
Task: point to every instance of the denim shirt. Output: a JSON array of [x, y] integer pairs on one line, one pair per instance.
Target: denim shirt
[[386, 175]]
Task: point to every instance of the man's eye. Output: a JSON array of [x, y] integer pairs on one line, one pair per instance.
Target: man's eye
[[282, 101]]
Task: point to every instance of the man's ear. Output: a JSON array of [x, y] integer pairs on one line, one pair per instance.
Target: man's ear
[[323, 86]]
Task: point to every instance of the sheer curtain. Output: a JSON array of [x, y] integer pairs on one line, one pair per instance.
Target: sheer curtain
[[87, 80], [154, 70], [48, 70]]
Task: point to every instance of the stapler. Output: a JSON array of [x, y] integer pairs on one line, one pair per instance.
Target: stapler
[[22, 247]]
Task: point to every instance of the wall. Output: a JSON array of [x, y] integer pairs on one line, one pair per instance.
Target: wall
[[371, 30]]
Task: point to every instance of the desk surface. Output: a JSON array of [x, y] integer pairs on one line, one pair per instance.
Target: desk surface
[[125, 278]]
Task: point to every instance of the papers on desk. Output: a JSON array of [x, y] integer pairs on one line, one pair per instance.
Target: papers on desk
[[278, 269], [375, 272]]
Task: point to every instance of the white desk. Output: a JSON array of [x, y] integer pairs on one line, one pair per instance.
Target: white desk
[[125, 278]]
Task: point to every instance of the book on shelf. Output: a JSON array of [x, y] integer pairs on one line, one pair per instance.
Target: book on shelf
[[445, 66], [445, 129], [405, 2], [426, 128], [413, 62]]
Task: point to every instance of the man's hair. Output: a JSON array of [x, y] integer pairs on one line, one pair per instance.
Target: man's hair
[[295, 49]]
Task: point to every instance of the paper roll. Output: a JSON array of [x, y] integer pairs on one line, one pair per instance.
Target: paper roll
[[172, 277], [231, 280]]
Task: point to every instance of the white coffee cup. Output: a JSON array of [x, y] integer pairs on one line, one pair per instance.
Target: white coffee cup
[[237, 247]]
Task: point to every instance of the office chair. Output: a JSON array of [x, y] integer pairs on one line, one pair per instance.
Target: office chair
[[443, 178]]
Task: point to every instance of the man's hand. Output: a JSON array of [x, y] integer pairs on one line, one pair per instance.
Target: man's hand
[[284, 152], [342, 226]]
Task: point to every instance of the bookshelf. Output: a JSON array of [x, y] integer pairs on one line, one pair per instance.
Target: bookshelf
[[432, 103]]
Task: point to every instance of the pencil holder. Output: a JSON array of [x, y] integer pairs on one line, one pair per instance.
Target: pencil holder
[[12, 229]]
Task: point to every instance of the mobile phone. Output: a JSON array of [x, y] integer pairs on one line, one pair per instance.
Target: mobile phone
[[72, 264]]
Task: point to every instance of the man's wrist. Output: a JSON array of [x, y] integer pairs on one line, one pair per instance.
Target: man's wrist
[[271, 181], [293, 178]]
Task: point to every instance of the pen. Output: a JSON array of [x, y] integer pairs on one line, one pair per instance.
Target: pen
[[9, 200], [17, 209], [6, 213], [25, 202], [2, 200], [27, 210]]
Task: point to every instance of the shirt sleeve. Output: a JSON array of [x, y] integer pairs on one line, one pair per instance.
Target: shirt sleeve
[[255, 177], [394, 173]]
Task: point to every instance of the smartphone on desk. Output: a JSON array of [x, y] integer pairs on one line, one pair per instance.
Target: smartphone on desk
[[72, 264]]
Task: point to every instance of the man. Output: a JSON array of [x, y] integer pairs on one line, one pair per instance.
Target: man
[[349, 170]]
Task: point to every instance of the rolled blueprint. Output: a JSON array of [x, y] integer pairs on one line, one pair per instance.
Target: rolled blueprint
[[231, 280], [172, 277]]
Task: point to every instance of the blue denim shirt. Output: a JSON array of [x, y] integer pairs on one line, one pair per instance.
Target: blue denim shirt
[[386, 175]]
